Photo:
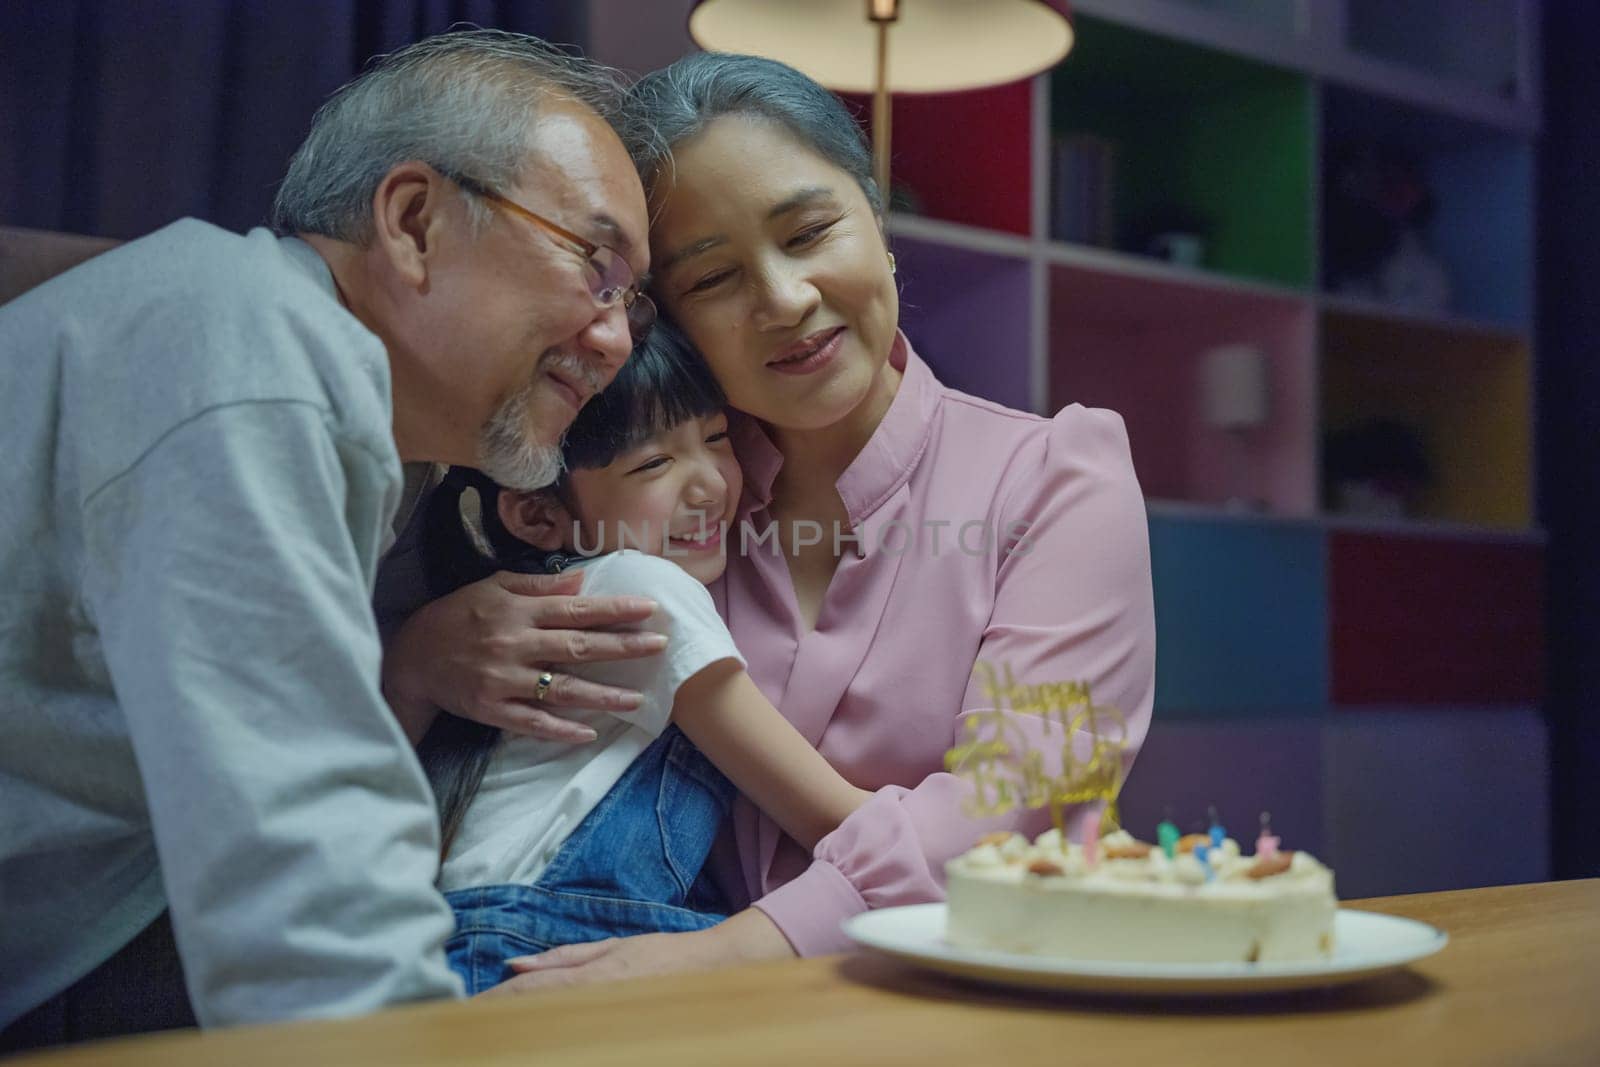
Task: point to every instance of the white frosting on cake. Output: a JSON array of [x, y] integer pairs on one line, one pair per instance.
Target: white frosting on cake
[[1047, 898]]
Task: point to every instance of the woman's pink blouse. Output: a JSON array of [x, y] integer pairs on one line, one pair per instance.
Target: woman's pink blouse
[[987, 535]]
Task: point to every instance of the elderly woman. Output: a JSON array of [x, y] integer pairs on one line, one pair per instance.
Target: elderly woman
[[893, 534]]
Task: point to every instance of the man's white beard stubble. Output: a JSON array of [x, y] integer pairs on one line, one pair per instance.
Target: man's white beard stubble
[[507, 451]]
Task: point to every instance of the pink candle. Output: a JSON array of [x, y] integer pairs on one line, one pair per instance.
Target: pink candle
[[1091, 839], [1266, 843]]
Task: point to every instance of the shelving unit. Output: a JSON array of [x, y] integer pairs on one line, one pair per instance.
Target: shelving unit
[[1376, 679], [1276, 610], [1226, 113]]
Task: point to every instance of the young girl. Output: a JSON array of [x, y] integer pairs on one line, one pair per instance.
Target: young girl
[[551, 843]]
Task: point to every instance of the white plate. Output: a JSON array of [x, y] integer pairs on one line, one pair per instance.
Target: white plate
[[1365, 944]]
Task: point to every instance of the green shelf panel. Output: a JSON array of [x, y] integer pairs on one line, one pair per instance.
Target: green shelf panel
[[1198, 135]]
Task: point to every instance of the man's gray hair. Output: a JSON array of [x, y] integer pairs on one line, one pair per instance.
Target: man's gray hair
[[461, 102]]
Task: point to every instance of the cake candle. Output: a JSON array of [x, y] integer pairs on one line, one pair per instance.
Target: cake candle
[[1266, 843], [1218, 834], [1167, 838], [1091, 840]]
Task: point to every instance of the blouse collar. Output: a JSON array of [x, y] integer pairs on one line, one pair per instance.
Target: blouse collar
[[883, 465]]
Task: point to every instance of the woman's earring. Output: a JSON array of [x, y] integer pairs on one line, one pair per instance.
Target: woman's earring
[[891, 262]]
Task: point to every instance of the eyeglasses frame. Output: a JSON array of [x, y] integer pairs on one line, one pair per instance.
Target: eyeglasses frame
[[584, 247]]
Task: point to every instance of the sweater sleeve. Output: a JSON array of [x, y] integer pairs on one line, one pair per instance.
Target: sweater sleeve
[[1073, 602], [228, 573]]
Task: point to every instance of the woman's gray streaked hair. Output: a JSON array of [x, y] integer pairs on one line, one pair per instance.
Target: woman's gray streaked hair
[[460, 102], [681, 100]]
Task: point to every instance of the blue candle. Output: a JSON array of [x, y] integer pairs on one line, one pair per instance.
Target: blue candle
[[1217, 833]]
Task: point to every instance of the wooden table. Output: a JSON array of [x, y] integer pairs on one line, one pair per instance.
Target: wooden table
[[1519, 984]]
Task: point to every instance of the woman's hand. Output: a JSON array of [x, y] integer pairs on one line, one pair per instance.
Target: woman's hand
[[746, 937], [479, 652]]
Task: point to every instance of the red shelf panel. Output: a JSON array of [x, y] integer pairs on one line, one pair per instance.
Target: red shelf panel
[[1421, 620], [965, 155]]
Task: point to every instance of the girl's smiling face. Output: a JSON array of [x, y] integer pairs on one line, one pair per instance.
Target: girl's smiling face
[[668, 496]]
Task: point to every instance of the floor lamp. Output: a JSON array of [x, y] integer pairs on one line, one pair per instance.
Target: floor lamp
[[892, 46]]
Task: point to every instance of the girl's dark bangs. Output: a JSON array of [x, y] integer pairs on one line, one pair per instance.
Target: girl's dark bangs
[[663, 383]]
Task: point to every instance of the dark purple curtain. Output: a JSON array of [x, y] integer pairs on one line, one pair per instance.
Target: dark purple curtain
[[119, 116], [1569, 425]]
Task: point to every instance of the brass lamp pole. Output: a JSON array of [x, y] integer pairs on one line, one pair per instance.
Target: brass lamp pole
[[902, 46], [883, 14]]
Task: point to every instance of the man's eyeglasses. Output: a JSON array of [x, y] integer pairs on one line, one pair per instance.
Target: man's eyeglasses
[[610, 278]]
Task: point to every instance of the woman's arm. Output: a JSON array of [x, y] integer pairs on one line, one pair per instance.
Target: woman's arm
[[737, 728], [1073, 603], [748, 937]]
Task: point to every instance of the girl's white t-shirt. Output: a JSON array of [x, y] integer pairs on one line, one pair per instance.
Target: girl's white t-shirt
[[535, 793]]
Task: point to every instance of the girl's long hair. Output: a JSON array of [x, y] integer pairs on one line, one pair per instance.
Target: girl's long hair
[[663, 383]]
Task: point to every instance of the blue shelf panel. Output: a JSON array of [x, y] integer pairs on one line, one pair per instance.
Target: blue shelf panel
[[1484, 230], [1241, 618]]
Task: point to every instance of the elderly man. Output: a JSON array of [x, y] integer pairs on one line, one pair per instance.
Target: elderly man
[[203, 437]]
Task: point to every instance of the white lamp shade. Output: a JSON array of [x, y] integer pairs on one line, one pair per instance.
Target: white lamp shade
[[935, 46]]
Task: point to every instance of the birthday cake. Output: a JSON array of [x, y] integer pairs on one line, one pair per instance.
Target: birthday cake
[[1196, 899]]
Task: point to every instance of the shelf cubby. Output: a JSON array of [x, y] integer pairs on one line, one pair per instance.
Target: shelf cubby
[[1201, 141], [1481, 180], [1482, 44], [1136, 346], [967, 312], [1434, 621], [1464, 393], [988, 129], [1267, 761], [1401, 789], [1241, 618]]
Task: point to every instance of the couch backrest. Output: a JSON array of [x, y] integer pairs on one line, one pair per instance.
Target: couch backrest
[[29, 257]]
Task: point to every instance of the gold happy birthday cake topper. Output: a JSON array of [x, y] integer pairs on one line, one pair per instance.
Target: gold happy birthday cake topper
[[1006, 770]]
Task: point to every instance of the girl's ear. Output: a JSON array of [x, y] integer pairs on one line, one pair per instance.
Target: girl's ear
[[539, 518]]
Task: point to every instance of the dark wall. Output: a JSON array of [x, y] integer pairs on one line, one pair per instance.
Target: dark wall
[[1569, 422]]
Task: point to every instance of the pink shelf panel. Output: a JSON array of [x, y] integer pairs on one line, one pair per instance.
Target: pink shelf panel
[[1137, 346]]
